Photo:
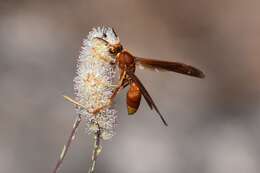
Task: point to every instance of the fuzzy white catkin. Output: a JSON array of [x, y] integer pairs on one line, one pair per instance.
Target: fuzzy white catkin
[[94, 81]]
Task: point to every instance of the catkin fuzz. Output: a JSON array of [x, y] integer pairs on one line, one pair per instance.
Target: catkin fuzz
[[94, 81]]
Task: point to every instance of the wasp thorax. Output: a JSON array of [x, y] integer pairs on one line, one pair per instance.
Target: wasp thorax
[[125, 59]]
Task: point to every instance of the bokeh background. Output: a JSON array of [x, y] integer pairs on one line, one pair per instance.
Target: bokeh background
[[213, 123]]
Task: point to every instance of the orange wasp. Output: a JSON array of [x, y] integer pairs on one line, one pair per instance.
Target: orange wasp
[[127, 65]]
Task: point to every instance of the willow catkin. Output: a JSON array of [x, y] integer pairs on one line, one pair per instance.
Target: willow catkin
[[94, 81]]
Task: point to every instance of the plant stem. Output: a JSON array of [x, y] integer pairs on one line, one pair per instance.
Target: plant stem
[[67, 145], [96, 151]]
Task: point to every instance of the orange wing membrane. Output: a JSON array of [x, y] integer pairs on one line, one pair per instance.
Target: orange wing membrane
[[146, 95], [170, 66]]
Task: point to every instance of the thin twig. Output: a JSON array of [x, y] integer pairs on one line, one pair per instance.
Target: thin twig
[[96, 150], [77, 104], [66, 147]]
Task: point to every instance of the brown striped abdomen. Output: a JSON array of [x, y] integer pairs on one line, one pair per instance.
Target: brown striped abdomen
[[133, 98]]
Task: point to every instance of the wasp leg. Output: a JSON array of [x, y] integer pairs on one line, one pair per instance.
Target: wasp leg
[[119, 87]]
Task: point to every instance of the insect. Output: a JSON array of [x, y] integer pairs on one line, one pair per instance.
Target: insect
[[110, 53], [127, 63]]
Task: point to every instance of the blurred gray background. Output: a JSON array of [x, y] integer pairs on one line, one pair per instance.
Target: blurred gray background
[[213, 123]]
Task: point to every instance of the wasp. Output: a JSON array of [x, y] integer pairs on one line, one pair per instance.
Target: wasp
[[127, 64]]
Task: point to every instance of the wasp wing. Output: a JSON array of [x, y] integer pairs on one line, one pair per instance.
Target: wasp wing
[[169, 66], [146, 95]]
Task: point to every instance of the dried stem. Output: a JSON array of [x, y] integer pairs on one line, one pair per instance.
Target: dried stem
[[66, 147], [96, 151], [97, 146]]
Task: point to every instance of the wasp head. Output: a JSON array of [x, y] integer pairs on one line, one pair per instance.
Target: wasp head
[[115, 49]]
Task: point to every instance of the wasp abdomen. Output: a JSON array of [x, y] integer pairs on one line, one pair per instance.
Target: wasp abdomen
[[133, 99]]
